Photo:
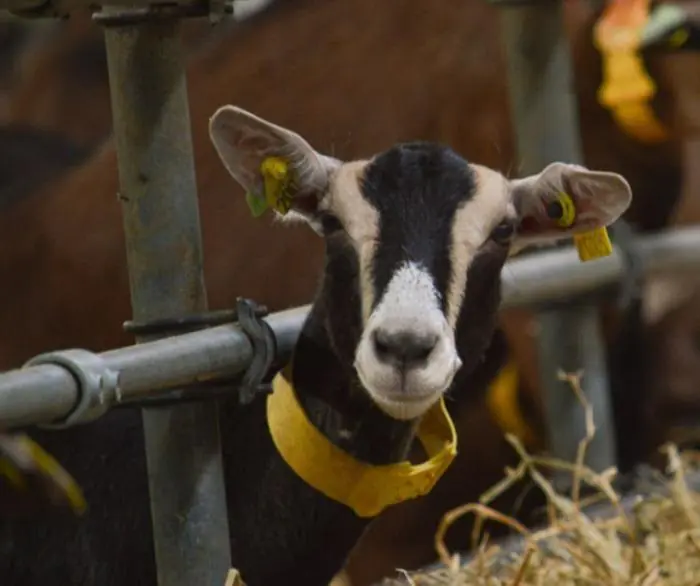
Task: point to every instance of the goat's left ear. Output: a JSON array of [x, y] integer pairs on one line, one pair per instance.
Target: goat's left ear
[[244, 140], [598, 197]]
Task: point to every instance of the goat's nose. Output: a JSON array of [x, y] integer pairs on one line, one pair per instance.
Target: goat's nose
[[407, 348]]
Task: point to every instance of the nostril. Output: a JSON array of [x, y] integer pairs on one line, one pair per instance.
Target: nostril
[[405, 347], [382, 345]]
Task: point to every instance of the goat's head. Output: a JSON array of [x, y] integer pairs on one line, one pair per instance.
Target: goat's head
[[416, 238]]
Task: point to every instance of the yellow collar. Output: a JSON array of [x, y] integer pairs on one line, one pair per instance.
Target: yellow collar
[[502, 401], [627, 88], [366, 488]]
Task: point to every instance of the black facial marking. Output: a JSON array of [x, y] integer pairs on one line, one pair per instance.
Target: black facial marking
[[479, 313], [416, 188]]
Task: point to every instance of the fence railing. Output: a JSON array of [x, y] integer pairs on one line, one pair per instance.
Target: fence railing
[[79, 385]]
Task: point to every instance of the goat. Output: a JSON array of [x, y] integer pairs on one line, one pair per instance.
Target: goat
[[79, 255], [415, 239]]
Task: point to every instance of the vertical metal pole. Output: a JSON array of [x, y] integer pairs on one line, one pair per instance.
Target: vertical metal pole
[[544, 113], [570, 340], [164, 251]]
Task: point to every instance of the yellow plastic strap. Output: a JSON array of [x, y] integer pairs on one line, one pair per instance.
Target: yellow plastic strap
[[502, 401], [627, 88], [21, 447], [365, 488]]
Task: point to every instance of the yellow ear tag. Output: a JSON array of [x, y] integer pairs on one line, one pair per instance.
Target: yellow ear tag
[[278, 183], [563, 210], [590, 245], [679, 38]]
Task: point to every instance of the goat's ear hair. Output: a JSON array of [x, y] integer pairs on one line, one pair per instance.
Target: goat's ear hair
[[598, 197], [244, 140]]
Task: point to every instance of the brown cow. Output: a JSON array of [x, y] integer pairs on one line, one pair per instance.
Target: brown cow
[[459, 54]]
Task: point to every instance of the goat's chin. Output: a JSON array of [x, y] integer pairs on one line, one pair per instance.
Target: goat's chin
[[405, 410], [409, 395]]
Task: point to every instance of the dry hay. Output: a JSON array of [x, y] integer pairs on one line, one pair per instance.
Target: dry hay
[[633, 540]]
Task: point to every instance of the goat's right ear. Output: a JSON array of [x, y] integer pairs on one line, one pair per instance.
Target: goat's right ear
[[243, 141]]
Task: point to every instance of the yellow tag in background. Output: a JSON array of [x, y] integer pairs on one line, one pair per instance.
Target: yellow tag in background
[[627, 88]]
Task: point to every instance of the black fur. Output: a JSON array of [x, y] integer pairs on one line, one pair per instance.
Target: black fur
[[416, 188], [281, 529]]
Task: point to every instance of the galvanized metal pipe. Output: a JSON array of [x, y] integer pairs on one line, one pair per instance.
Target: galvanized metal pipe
[[40, 394], [544, 112], [161, 222], [575, 333], [557, 275]]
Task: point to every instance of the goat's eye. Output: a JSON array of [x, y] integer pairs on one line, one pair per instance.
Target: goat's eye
[[330, 224], [503, 233]]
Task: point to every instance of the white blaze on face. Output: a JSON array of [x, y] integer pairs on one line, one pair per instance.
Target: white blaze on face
[[410, 306]]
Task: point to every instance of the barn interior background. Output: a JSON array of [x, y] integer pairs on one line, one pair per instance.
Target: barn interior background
[[105, 114]]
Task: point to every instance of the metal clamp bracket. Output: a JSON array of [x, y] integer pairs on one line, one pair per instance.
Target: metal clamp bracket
[[624, 239], [248, 315], [262, 338], [98, 386]]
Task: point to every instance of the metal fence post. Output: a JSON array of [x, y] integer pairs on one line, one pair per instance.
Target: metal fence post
[[161, 222], [544, 114]]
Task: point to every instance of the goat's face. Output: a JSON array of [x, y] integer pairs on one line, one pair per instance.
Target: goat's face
[[416, 239]]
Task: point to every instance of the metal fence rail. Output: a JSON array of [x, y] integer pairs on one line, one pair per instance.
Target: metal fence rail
[[49, 392]]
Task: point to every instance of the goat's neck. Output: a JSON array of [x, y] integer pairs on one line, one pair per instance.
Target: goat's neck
[[334, 400], [282, 529]]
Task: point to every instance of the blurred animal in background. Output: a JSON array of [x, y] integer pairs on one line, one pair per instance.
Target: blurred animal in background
[[57, 77]]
